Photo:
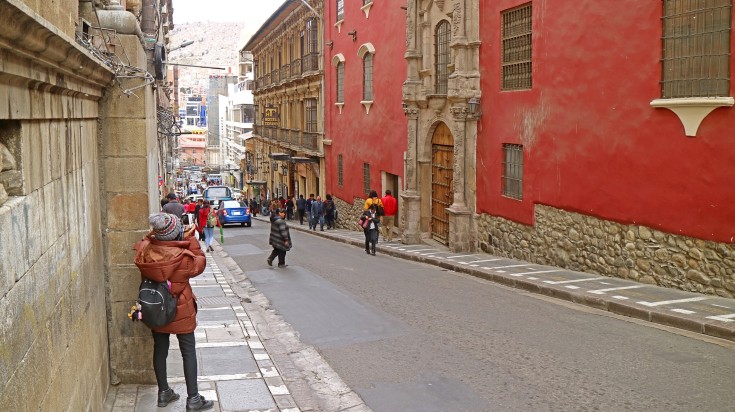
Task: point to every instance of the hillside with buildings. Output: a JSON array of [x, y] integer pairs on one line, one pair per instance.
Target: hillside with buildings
[[215, 43]]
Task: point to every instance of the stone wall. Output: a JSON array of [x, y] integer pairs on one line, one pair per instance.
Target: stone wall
[[53, 355], [635, 252], [348, 214]]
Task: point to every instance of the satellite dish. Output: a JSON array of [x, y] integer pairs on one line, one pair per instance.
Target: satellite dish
[[159, 61]]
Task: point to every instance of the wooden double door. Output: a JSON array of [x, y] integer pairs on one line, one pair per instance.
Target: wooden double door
[[442, 181]]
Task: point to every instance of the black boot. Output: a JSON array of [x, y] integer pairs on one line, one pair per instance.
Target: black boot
[[166, 397], [198, 403]]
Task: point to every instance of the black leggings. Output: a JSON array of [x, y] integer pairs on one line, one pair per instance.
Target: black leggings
[[371, 239], [187, 345]]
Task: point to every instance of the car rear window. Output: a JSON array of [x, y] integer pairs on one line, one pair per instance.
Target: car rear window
[[227, 204]]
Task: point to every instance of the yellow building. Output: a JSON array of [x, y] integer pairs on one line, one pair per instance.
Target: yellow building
[[288, 151]]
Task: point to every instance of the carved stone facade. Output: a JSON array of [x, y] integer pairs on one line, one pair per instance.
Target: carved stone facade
[[427, 110]]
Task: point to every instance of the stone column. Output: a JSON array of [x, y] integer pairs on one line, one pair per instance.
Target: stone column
[[460, 217], [129, 172], [411, 199]]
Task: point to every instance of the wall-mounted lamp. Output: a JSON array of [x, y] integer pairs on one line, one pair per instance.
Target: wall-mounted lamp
[[329, 43], [284, 168], [353, 33], [475, 108]]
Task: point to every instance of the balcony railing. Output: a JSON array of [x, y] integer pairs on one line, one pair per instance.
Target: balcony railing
[[285, 72], [309, 140], [296, 68], [310, 62], [275, 76]]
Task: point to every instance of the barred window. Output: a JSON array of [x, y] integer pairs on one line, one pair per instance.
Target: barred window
[[367, 77], [512, 180], [312, 36], [311, 113], [366, 178], [340, 10], [340, 82], [442, 37], [365, 2], [516, 48], [696, 48], [340, 175]]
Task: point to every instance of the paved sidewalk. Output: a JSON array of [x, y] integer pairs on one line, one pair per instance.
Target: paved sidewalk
[[705, 314], [235, 370]]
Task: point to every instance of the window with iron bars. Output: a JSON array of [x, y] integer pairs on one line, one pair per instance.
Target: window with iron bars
[[442, 37], [512, 180], [340, 175], [365, 2], [367, 77], [340, 82], [516, 48], [366, 178], [340, 10], [696, 48], [311, 113]]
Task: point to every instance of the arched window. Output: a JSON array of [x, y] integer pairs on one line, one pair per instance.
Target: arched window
[[340, 82], [442, 37], [367, 77]]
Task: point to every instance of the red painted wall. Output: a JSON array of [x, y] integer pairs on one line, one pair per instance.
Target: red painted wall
[[592, 143], [377, 138]]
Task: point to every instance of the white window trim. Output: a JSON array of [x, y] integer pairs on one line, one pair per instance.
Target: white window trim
[[365, 49], [339, 106], [692, 110], [337, 59], [366, 9], [367, 104], [338, 25]]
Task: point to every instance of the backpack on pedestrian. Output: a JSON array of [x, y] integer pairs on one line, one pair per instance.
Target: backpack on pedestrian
[[156, 306], [211, 218]]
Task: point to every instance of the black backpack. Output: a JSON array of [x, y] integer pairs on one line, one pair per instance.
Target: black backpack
[[157, 304]]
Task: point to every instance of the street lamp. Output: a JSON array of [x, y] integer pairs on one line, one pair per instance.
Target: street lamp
[[182, 45]]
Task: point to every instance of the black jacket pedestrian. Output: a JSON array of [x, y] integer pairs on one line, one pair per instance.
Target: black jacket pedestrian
[[280, 233]]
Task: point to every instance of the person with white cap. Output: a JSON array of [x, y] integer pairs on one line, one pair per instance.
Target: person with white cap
[[170, 252]]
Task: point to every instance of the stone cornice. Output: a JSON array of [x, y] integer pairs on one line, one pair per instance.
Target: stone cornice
[[28, 36]]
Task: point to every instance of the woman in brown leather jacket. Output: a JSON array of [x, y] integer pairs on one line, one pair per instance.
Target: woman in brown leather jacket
[[171, 252]]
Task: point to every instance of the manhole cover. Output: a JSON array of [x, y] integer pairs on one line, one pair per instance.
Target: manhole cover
[[218, 300]]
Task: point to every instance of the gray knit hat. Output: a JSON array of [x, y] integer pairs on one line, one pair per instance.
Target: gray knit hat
[[165, 226]]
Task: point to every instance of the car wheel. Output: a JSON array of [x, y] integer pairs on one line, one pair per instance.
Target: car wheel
[[249, 223], [242, 224]]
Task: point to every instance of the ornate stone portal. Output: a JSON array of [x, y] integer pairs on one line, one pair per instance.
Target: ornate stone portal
[[426, 108]]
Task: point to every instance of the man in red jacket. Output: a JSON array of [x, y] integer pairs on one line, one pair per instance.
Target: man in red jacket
[[172, 253], [390, 207]]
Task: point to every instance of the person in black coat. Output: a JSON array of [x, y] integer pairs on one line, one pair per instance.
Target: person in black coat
[[280, 238], [370, 222]]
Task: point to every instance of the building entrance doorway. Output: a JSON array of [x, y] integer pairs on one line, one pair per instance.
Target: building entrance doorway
[[442, 184]]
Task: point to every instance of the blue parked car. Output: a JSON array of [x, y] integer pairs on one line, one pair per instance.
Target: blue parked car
[[234, 213]]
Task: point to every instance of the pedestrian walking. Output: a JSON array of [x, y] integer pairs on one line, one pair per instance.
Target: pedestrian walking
[[301, 208], [171, 253], [280, 238], [329, 209], [370, 222], [207, 222], [289, 208], [316, 214], [390, 207], [200, 228], [173, 206], [373, 199]]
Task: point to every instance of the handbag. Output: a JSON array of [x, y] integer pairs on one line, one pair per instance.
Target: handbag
[[364, 223]]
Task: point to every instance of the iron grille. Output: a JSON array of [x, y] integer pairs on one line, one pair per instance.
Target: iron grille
[[367, 77], [340, 82], [696, 48], [366, 178], [517, 50], [366, 2], [513, 171], [442, 37], [340, 175], [340, 10]]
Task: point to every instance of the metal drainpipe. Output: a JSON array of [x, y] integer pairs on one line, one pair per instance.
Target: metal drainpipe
[[147, 21]]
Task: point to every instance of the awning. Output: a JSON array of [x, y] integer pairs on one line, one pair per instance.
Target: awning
[[303, 159], [280, 156], [257, 182]]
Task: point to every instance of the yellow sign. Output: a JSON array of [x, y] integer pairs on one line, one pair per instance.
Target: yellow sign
[[271, 117]]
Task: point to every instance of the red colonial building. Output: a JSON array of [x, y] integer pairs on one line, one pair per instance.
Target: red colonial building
[[606, 139], [365, 127]]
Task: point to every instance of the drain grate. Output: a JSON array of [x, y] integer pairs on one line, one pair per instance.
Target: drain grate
[[218, 300]]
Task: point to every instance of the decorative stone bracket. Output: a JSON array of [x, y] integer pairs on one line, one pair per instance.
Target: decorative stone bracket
[[366, 9], [693, 110]]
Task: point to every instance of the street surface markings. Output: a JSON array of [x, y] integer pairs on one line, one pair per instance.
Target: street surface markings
[[535, 272], [560, 282], [620, 297], [532, 278], [233, 377], [261, 356], [723, 318], [430, 253], [278, 390], [479, 261], [684, 311], [419, 250], [508, 266], [571, 287], [602, 291], [668, 302], [256, 344], [720, 306], [459, 256], [218, 308], [210, 395], [221, 344]]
